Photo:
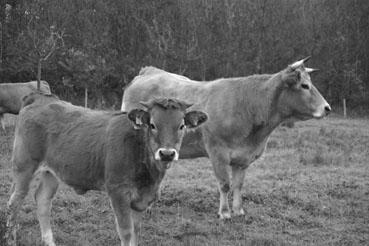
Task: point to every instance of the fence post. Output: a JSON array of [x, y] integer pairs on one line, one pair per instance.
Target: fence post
[[344, 108], [86, 96]]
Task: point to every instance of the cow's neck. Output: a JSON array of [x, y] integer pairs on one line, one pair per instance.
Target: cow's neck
[[264, 114], [157, 174]]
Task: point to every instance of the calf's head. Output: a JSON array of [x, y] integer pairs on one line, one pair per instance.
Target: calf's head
[[299, 97], [165, 121]]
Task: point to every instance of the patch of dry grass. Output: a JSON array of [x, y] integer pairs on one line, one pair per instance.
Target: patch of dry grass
[[310, 188]]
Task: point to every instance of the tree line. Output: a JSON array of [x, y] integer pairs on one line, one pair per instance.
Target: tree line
[[98, 46]]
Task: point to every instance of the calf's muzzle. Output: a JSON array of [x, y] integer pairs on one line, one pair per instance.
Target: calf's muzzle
[[166, 154]]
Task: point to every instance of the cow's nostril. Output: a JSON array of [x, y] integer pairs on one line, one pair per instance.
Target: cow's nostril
[[327, 109], [167, 153]]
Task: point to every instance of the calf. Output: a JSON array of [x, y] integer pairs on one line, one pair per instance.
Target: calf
[[125, 155]]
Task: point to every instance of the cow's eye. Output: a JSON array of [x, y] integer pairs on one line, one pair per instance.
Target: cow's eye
[[305, 86], [152, 126], [181, 127]]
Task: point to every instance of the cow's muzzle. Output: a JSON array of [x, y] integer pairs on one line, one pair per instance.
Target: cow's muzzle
[[166, 154], [322, 111]]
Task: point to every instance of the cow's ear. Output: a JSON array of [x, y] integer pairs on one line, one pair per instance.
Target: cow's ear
[[195, 118], [291, 77], [139, 118]]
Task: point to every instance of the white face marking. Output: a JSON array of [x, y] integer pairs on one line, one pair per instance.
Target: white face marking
[[176, 156], [320, 112], [157, 156]]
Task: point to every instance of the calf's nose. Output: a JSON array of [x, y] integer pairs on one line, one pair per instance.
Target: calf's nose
[[167, 154]]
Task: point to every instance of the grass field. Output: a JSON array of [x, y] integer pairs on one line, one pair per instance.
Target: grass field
[[310, 188]]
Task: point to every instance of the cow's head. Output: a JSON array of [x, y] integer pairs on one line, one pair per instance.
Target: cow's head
[[299, 97], [166, 121]]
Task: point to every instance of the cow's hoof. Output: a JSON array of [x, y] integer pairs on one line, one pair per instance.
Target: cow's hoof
[[224, 215], [48, 239], [44, 243], [238, 212]]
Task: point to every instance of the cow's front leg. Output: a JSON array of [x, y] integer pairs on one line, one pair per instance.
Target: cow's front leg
[[238, 175], [220, 164], [123, 218]]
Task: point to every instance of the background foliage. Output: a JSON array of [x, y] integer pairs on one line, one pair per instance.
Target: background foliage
[[105, 43]]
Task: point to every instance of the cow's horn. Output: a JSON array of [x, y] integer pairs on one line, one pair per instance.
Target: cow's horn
[[306, 58], [299, 63], [310, 70]]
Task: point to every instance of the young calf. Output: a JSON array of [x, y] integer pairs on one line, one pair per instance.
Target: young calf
[[95, 150]]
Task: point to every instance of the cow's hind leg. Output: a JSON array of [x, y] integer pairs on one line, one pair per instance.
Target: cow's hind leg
[[220, 164], [238, 175], [44, 194], [22, 176]]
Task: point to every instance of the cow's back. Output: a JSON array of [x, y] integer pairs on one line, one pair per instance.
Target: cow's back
[[155, 83], [70, 139], [19, 90], [45, 119], [44, 86]]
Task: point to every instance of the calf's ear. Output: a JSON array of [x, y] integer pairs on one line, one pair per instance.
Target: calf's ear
[[195, 118], [139, 118]]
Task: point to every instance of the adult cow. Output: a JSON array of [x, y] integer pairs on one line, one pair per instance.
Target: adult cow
[[242, 112], [11, 95], [96, 150]]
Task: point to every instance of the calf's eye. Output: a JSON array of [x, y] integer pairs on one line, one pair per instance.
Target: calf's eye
[[152, 126], [181, 127]]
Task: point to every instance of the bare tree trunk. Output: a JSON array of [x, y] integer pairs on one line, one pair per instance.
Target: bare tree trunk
[[203, 75], [86, 96], [262, 28], [1, 40], [39, 64], [3, 31]]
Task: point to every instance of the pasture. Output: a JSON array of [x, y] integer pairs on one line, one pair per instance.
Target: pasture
[[310, 188]]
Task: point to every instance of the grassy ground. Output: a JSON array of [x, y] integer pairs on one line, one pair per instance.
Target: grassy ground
[[310, 188]]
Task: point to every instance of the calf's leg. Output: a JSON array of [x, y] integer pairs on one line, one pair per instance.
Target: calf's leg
[[123, 219], [22, 176], [44, 194]]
